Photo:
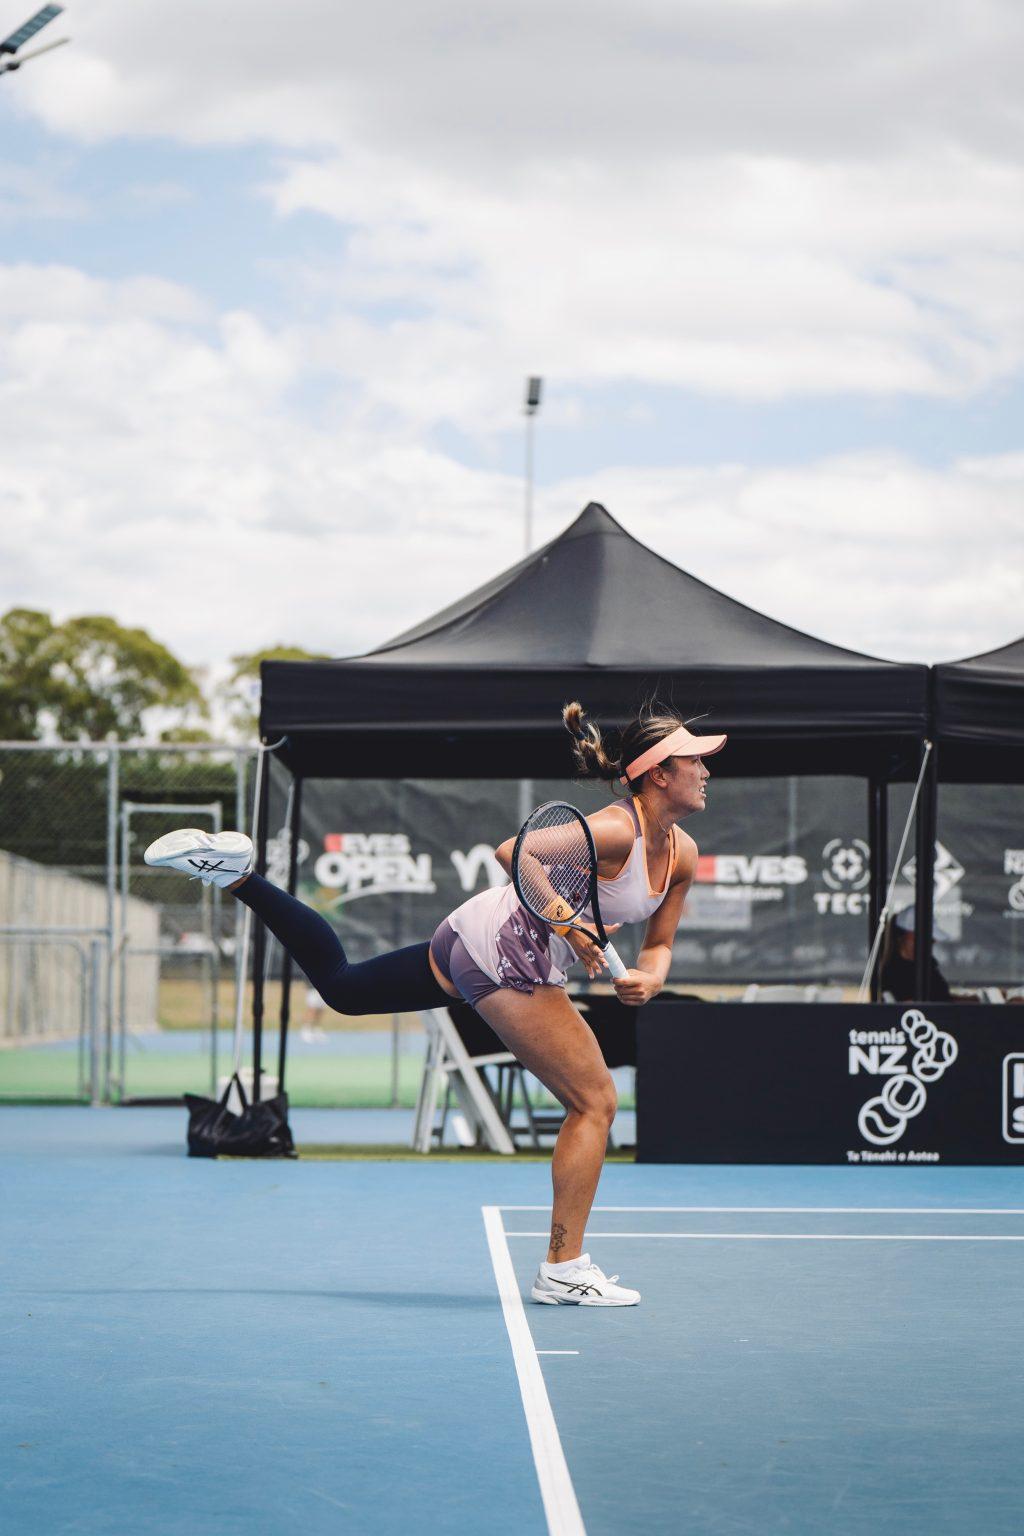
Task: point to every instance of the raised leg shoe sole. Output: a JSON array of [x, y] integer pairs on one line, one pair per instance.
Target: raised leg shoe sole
[[192, 840]]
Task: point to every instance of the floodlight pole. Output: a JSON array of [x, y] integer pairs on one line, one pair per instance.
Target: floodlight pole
[[530, 408]]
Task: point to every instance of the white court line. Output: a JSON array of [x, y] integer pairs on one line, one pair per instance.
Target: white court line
[[556, 1490], [815, 1237], [793, 1210]]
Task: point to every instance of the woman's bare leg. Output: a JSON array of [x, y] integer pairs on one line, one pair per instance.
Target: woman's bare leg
[[444, 982], [552, 1041]]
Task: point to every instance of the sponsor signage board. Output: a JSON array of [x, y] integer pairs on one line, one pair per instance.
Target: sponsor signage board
[[850, 1084], [781, 890]]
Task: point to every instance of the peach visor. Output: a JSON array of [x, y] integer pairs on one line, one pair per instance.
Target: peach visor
[[679, 743]]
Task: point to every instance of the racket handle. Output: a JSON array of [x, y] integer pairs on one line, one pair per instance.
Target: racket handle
[[615, 965]]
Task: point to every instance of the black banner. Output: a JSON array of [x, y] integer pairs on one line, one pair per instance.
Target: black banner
[[764, 1083], [782, 886]]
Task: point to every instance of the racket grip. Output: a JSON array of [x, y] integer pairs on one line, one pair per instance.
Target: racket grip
[[615, 965]]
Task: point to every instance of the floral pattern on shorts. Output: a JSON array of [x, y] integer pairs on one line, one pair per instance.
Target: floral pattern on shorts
[[522, 945]]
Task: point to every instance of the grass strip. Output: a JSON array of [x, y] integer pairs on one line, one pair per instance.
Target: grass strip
[[343, 1152]]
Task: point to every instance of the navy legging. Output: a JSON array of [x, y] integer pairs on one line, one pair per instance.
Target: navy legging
[[399, 982]]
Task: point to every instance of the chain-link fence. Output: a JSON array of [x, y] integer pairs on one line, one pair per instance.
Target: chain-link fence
[[117, 982]]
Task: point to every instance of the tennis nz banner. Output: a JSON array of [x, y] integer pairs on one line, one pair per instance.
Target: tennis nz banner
[[938, 1083], [781, 891]]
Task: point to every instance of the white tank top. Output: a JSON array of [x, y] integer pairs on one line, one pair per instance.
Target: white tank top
[[628, 897], [625, 898]]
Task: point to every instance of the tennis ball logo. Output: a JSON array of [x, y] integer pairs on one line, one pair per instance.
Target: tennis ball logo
[[884, 1118]]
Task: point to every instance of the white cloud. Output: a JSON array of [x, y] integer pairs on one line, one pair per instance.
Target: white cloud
[[775, 280], [869, 551], [743, 277], [754, 200], [156, 469], [522, 79], [65, 295]]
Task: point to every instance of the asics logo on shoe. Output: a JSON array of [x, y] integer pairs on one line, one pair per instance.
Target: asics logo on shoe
[[204, 865], [588, 1288]]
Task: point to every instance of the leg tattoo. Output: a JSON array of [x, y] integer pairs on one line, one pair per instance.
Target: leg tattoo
[[558, 1233]]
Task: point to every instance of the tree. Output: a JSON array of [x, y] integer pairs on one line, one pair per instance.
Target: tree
[[89, 678], [240, 694], [26, 687]]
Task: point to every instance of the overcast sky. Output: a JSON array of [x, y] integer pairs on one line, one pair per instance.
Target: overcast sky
[[271, 278]]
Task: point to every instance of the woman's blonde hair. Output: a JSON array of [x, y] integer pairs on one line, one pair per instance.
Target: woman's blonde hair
[[593, 760]]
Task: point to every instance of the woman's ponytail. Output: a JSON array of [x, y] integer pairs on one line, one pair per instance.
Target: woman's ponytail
[[592, 761]]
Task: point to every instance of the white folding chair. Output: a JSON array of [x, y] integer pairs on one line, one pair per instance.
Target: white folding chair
[[790, 992], [449, 1066], [782, 992]]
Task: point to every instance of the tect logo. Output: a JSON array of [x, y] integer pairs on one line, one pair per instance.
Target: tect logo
[[847, 866], [1013, 1097], [884, 1053], [372, 864], [846, 870]]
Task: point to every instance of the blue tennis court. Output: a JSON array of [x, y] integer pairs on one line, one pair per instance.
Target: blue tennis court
[[342, 1346]]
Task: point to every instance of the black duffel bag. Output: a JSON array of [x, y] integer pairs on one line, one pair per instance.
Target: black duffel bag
[[260, 1130]]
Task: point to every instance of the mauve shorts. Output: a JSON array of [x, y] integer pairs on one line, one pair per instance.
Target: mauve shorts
[[454, 961]]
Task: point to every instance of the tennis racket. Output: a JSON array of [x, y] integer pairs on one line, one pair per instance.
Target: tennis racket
[[554, 871]]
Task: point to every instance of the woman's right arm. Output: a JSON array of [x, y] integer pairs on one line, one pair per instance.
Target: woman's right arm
[[585, 949], [504, 855]]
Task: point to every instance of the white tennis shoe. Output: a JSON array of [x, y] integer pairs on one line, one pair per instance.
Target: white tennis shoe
[[584, 1285], [215, 858]]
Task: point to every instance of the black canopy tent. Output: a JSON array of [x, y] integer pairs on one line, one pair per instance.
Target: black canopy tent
[[977, 710], [476, 691], [979, 717]]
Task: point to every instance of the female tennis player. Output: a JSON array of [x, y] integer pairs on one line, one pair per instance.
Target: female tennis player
[[511, 967]]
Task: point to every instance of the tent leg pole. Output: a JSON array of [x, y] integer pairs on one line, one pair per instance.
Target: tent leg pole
[[878, 838], [924, 894], [294, 826], [260, 940]]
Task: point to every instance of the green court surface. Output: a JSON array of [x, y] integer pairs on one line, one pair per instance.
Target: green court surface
[[351, 1081], [344, 1069]]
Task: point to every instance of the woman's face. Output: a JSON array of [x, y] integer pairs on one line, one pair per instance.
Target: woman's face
[[685, 780]]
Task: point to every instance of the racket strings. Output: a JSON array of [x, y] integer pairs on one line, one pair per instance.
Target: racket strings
[[555, 862]]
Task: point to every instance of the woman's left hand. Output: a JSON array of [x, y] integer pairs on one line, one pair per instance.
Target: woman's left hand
[[636, 988]]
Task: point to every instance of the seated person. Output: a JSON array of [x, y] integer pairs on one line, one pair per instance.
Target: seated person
[[896, 972]]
